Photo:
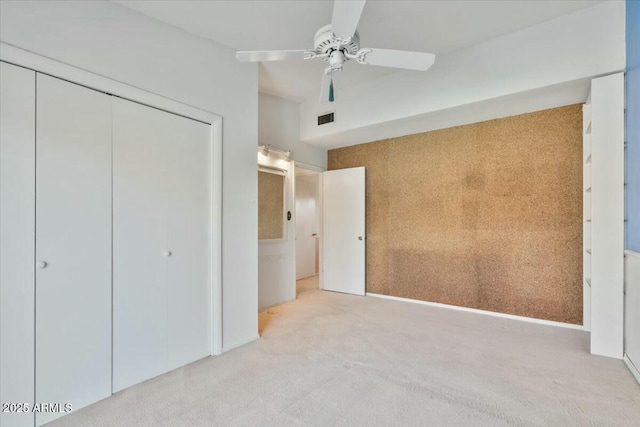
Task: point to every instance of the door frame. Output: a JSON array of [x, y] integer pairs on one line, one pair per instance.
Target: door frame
[[23, 58], [318, 169]]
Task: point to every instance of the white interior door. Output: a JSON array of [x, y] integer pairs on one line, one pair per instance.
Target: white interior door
[[343, 231], [17, 246], [306, 224], [73, 245]]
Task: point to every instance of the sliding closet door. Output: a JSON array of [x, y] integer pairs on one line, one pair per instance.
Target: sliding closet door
[[17, 210], [73, 245], [161, 242], [189, 240], [140, 249]]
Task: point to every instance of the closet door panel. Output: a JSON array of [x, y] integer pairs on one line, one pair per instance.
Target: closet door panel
[[162, 240], [73, 245], [139, 243], [17, 216], [189, 237]]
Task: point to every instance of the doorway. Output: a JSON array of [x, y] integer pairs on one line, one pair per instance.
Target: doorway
[[307, 227]]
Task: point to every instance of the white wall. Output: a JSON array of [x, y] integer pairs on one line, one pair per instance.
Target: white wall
[[279, 125], [115, 42], [570, 48]]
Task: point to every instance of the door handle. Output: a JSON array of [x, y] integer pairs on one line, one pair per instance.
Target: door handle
[[41, 264], [360, 238], [167, 254], [314, 234]]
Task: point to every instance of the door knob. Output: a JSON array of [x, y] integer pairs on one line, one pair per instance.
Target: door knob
[[360, 238], [167, 254], [41, 264]]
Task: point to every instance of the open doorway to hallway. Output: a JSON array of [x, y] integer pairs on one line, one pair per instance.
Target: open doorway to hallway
[[307, 225]]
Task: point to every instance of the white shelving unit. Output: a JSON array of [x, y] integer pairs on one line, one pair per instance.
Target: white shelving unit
[[603, 196], [586, 215]]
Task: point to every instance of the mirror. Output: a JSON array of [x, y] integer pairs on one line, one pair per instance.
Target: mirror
[[271, 212]]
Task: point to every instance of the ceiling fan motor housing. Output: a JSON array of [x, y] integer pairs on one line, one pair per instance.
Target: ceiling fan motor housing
[[325, 42], [336, 59]]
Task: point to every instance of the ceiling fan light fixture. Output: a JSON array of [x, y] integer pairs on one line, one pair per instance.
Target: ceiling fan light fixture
[[266, 150]]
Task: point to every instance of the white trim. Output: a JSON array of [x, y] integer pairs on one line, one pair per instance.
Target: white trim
[[263, 309], [216, 240], [294, 237], [240, 343], [273, 170], [629, 252], [320, 208], [54, 68], [309, 166], [477, 311], [632, 367]]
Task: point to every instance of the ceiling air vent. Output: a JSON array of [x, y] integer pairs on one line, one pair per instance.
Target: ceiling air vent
[[325, 118]]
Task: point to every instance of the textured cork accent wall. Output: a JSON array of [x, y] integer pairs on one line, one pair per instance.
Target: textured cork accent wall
[[487, 215], [270, 206]]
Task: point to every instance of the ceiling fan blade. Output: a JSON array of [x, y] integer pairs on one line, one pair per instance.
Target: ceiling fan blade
[[420, 61], [346, 15], [271, 55]]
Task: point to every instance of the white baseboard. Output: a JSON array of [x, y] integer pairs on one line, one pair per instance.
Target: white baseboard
[[633, 368], [629, 252], [262, 309], [239, 343], [485, 312]]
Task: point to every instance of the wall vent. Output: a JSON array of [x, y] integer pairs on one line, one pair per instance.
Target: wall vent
[[325, 118]]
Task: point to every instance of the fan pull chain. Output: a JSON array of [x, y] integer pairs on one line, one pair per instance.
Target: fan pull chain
[[331, 97]]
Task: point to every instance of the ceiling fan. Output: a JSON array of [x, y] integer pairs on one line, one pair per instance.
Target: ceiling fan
[[339, 42]]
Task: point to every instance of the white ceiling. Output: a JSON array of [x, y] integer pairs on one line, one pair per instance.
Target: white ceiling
[[430, 26]]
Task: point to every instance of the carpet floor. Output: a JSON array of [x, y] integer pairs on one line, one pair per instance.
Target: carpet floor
[[329, 359]]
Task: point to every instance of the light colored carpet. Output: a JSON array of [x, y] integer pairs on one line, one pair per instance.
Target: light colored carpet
[[329, 359]]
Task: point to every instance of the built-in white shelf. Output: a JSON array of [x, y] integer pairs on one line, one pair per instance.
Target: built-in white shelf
[[586, 214], [603, 213]]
